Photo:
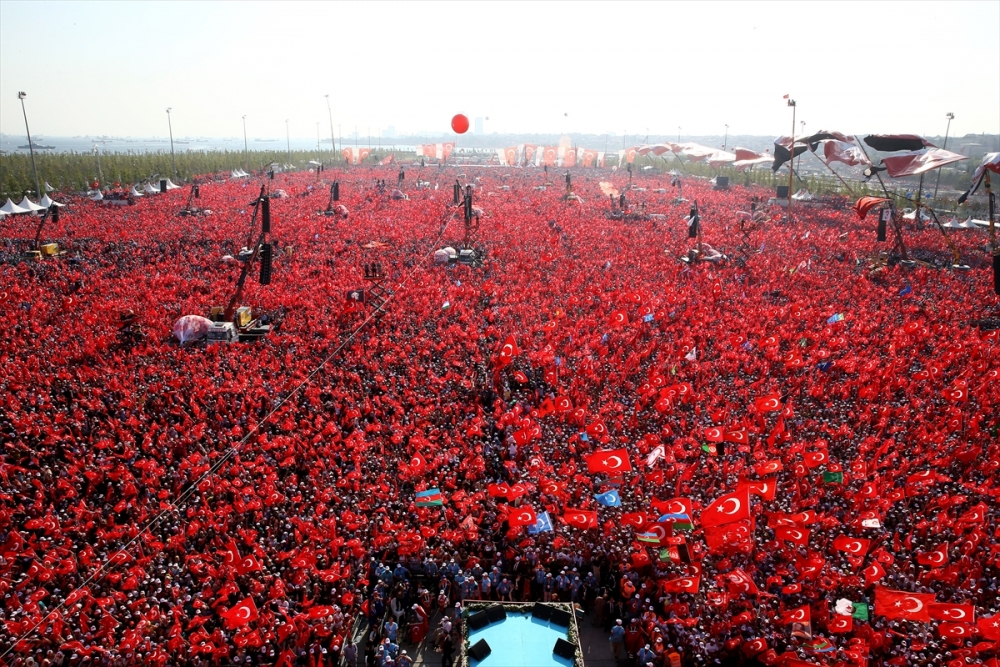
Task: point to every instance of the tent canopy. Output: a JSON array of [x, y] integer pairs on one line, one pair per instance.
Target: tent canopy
[[29, 205], [47, 202], [12, 208]]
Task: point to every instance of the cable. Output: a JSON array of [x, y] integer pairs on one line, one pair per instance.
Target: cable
[[214, 468]]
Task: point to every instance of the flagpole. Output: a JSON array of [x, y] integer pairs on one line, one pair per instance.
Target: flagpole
[[827, 165], [791, 160]]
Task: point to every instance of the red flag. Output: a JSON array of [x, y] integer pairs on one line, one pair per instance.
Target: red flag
[[507, 352], [857, 546], [714, 434], [498, 490], [764, 488], [768, 468], [618, 319], [900, 604], [522, 516], [241, 614], [635, 519], [739, 437], [799, 615], [609, 460], [989, 627], [798, 536], [953, 612], [936, 558], [955, 630], [672, 506], [681, 585], [726, 509], [248, 564], [417, 464], [580, 518], [840, 624], [873, 573], [865, 204], [735, 536], [769, 403], [739, 581]]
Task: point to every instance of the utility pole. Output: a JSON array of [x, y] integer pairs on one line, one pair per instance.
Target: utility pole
[[170, 127], [950, 116]]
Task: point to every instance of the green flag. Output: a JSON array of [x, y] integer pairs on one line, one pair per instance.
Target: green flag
[[860, 611], [833, 478]]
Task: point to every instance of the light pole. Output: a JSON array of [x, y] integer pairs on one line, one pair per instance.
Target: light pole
[[333, 143], [288, 142], [31, 147], [950, 116], [170, 127], [246, 147], [678, 134], [802, 124], [725, 142]]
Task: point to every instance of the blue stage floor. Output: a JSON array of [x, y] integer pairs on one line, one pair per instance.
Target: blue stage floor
[[520, 641]]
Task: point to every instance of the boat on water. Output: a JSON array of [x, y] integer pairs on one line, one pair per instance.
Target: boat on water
[[37, 146]]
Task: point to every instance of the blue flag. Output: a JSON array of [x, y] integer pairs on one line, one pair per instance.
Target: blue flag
[[680, 516], [824, 365], [905, 291], [542, 525], [584, 437], [835, 318], [647, 318], [609, 499], [747, 346]]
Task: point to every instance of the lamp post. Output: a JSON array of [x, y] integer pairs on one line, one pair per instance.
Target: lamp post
[[333, 144], [950, 116], [170, 127], [31, 147], [246, 147], [791, 150], [802, 125], [288, 142], [725, 142], [678, 134]]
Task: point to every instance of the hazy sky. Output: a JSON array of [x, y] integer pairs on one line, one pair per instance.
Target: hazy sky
[[113, 68]]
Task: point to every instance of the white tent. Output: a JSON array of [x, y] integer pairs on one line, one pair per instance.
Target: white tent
[[172, 186], [47, 202], [151, 190], [97, 197], [29, 205], [135, 193], [12, 208], [49, 188]]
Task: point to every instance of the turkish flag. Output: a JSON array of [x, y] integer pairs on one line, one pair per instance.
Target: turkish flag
[[549, 154], [511, 155], [580, 518], [681, 585], [730, 536], [241, 614], [726, 509], [768, 468], [989, 627], [498, 490], [609, 460], [799, 615], [635, 519], [507, 352], [873, 573], [797, 536], [417, 464], [618, 319], [900, 604], [714, 434], [672, 506], [856, 546], [953, 612], [764, 488], [522, 516], [738, 581], [597, 430], [955, 630], [840, 624], [248, 564], [740, 436], [769, 403], [936, 558]]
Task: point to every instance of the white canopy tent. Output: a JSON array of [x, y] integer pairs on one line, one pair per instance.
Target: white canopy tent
[[172, 186], [29, 205], [151, 189], [97, 197], [47, 202], [11, 208], [135, 193]]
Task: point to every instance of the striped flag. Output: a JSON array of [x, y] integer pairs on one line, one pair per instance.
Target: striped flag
[[429, 498]]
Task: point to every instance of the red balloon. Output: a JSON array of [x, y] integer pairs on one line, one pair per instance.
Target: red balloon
[[460, 124]]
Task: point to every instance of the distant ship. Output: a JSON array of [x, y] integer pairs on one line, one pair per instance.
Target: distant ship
[[38, 146]]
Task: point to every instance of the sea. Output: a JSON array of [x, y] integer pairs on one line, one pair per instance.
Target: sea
[[82, 144]]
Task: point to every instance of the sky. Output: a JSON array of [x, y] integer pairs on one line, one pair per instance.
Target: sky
[[93, 68]]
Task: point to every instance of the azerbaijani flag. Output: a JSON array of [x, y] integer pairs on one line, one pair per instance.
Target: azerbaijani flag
[[820, 645], [680, 521], [429, 498]]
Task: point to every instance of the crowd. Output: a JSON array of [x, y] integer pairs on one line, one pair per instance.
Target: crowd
[[249, 504]]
